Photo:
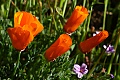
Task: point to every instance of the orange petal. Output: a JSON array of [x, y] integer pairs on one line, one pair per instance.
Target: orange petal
[[28, 22], [87, 45], [37, 27], [22, 18], [20, 38], [78, 16], [59, 47]]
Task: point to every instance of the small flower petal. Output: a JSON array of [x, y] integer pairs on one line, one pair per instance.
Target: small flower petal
[[84, 65], [105, 46], [112, 76], [83, 69], [109, 49], [76, 67], [80, 75]]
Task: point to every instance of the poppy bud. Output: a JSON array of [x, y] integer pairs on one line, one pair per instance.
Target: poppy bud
[[59, 47], [87, 45], [78, 16]]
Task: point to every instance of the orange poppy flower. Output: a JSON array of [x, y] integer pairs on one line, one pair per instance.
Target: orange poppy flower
[[59, 47], [78, 16], [28, 22], [87, 45], [20, 38]]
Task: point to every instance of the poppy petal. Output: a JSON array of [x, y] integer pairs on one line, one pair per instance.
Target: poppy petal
[[22, 18], [28, 22], [37, 27], [20, 38]]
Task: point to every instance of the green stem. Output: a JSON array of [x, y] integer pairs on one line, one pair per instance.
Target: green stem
[[74, 3], [55, 5], [17, 63], [34, 5], [64, 8], [84, 2], [104, 61], [89, 74], [105, 9], [118, 71], [89, 18], [15, 6], [61, 3], [76, 58], [40, 10], [113, 55], [54, 21], [21, 6], [53, 14], [116, 60], [30, 5], [8, 7]]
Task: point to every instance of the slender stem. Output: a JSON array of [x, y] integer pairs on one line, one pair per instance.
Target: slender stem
[[61, 3], [55, 5], [74, 3], [21, 2], [8, 7], [14, 4], [64, 8], [104, 61], [53, 17], [53, 14], [17, 63], [105, 9], [113, 55], [89, 18], [116, 60], [84, 2], [30, 5], [76, 58], [40, 10], [33, 5], [89, 74], [118, 71]]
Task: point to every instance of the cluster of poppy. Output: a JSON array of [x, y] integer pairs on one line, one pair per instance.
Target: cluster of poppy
[[63, 43], [26, 27]]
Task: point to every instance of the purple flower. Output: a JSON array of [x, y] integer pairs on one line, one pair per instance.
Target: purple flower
[[109, 49], [80, 70], [111, 75]]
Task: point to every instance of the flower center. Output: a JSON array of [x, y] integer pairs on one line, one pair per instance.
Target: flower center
[[81, 71]]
